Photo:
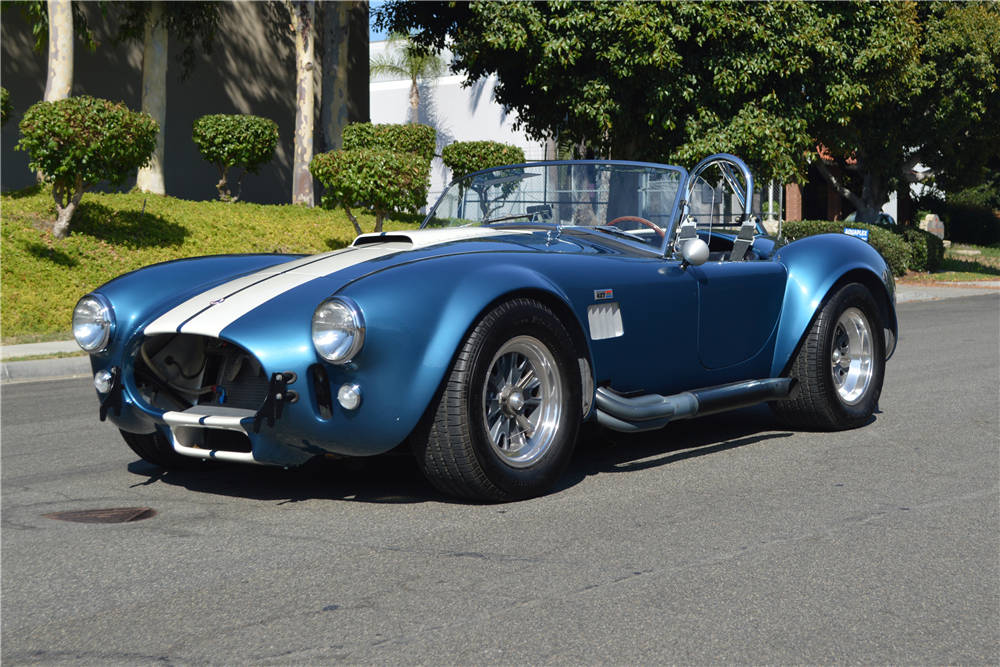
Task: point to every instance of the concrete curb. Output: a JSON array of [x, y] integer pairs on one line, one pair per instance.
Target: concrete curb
[[44, 369]]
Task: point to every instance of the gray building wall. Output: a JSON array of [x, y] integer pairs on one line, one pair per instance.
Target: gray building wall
[[251, 71]]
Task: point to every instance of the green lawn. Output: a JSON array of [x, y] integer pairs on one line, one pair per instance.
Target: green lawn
[[964, 263], [41, 277]]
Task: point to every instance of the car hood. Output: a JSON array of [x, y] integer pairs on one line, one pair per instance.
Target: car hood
[[214, 309]]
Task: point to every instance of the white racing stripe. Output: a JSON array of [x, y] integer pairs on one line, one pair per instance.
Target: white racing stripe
[[238, 297], [213, 310]]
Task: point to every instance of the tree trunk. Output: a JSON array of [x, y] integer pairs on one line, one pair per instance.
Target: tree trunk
[[873, 193], [335, 108], [303, 13], [414, 103], [154, 95], [66, 202], [59, 83]]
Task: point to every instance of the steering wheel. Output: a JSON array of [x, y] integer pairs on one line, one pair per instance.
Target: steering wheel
[[642, 221]]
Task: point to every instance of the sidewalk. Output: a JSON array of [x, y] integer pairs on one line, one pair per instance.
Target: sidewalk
[[53, 369]]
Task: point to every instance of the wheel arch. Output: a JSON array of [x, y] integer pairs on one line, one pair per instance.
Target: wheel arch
[[823, 264], [560, 306]]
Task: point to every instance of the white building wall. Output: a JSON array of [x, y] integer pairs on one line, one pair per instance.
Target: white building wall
[[457, 113]]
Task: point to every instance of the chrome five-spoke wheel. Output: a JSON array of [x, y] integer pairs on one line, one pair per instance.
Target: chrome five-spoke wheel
[[852, 356], [522, 401]]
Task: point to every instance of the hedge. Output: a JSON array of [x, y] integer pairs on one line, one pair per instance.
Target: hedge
[[466, 157], [897, 252], [927, 249], [410, 138]]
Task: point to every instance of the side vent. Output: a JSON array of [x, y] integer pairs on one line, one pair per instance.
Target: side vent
[[605, 321]]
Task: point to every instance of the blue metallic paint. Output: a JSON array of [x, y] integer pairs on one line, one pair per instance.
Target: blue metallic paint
[[815, 264]]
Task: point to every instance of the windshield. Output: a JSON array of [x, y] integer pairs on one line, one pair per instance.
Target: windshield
[[635, 198]]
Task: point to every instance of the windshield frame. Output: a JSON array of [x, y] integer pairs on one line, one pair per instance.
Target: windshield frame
[[673, 217]]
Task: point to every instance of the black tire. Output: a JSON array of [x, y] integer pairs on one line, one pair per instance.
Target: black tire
[[155, 448], [503, 426], [836, 395]]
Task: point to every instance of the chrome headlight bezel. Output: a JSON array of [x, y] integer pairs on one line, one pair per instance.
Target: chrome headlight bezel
[[338, 314], [96, 312]]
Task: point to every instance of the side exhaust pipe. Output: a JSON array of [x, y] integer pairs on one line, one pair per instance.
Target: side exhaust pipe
[[648, 413]]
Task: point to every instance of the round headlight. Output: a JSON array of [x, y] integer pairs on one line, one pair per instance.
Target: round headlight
[[338, 330], [92, 322]]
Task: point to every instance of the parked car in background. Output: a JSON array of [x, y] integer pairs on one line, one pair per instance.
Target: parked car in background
[[883, 218], [534, 298]]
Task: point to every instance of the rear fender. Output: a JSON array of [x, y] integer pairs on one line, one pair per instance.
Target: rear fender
[[816, 265]]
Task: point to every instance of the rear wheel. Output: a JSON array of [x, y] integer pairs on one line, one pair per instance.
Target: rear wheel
[[840, 366], [505, 423], [156, 449]]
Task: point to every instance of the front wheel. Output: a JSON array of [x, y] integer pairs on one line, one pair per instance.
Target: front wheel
[[840, 365], [505, 423]]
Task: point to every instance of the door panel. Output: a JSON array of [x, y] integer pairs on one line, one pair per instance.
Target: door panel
[[738, 308]]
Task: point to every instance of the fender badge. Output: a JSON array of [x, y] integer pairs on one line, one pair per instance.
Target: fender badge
[[602, 294], [217, 301]]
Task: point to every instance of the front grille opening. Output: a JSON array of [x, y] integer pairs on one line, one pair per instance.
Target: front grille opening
[[178, 371], [227, 441]]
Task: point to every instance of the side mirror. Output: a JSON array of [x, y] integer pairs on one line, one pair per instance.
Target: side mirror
[[695, 252]]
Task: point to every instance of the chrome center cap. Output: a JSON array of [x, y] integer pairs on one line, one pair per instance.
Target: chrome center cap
[[836, 356], [512, 401]]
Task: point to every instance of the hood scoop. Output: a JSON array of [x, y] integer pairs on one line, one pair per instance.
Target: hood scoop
[[422, 238]]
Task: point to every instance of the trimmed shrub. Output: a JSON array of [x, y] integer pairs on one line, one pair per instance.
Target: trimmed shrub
[[227, 141], [80, 141], [894, 248], [927, 249], [5, 109], [380, 180], [466, 157], [411, 138]]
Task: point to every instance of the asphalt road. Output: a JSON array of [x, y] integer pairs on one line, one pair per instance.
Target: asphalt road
[[714, 541]]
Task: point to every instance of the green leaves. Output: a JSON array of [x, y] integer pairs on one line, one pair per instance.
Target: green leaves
[[5, 107], [410, 138], [465, 157], [97, 139]]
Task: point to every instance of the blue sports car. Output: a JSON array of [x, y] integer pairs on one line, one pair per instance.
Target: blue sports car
[[534, 298]]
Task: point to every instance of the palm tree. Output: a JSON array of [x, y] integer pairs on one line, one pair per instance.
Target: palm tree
[[405, 59]]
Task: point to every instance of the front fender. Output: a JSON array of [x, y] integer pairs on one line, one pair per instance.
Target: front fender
[[417, 316], [815, 265]]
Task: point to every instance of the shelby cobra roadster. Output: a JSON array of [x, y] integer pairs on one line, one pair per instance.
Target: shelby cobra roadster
[[534, 298]]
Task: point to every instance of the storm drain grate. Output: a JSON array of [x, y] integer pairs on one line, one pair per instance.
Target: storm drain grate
[[114, 515]]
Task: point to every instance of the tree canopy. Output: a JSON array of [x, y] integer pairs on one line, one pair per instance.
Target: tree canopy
[[768, 81]]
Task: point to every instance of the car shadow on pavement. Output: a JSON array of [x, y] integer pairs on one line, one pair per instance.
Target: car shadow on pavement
[[395, 478]]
